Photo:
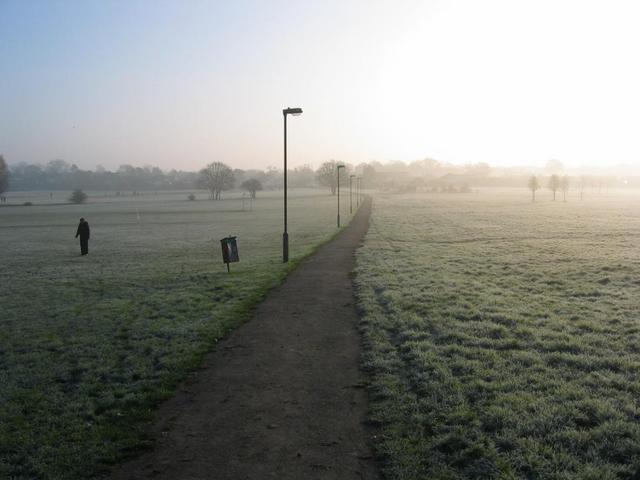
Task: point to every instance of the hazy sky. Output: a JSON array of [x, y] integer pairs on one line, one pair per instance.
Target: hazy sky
[[179, 84]]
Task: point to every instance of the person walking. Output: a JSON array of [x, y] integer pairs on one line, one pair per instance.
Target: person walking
[[83, 232]]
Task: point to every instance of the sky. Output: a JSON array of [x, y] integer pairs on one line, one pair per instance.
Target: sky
[[179, 84]]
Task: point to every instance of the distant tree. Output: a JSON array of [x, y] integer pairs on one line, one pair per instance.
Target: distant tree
[[533, 184], [191, 197], [303, 176], [428, 166], [271, 177], [554, 184], [369, 172], [554, 166], [582, 184], [57, 168], [216, 177], [239, 175], [252, 186], [326, 175], [564, 186], [4, 175], [78, 196]]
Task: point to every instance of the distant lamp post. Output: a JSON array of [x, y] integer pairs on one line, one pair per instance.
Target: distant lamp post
[[350, 197], [358, 191], [338, 173], [285, 236]]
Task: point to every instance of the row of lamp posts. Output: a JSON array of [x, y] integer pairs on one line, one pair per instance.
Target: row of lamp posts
[[358, 190], [285, 236]]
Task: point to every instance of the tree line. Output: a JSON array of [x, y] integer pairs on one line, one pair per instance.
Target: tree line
[[557, 183], [60, 175], [216, 177]]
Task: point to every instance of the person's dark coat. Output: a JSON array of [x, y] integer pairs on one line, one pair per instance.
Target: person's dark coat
[[84, 233]]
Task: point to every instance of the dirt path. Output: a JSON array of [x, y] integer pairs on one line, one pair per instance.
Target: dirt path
[[281, 397]]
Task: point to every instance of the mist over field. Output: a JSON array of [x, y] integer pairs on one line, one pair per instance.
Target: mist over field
[[419, 175]]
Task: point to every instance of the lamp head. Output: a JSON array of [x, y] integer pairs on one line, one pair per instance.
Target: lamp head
[[292, 111]]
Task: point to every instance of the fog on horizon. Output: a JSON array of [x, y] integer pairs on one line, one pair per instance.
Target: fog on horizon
[[182, 84]]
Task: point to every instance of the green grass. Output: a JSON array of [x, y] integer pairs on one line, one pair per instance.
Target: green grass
[[502, 337], [90, 345]]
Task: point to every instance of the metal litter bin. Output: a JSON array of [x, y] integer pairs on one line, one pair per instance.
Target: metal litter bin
[[229, 251]]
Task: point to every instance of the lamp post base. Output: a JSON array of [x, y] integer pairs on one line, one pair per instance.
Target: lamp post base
[[338, 221], [285, 247]]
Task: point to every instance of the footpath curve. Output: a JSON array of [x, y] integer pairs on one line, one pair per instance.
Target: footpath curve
[[281, 397]]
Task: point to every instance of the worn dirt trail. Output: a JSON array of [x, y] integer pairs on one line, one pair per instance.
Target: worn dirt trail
[[280, 397]]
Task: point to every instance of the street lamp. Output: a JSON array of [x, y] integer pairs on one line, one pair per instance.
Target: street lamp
[[350, 198], [338, 173], [285, 236], [358, 191]]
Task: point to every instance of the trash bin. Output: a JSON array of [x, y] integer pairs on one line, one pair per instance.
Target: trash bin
[[229, 251]]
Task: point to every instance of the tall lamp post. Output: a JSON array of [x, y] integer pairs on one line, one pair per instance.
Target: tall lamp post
[[350, 197], [358, 191], [338, 173], [285, 236]]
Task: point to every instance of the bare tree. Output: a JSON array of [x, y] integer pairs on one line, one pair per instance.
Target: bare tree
[[554, 184], [533, 184], [326, 175], [216, 177], [252, 186], [582, 185], [4, 175], [564, 186]]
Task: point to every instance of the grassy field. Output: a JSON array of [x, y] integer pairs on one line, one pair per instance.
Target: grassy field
[[503, 336], [88, 345]]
